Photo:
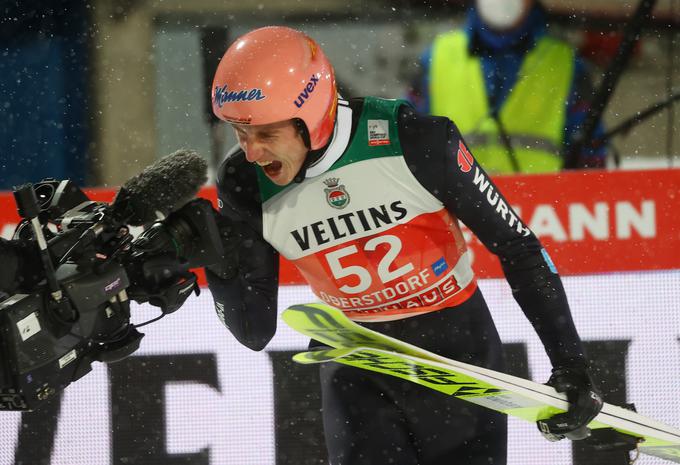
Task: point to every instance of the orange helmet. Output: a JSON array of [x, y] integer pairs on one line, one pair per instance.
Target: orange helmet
[[274, 74]]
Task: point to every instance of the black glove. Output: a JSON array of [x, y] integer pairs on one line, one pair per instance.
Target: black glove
[[163, 282], [585, 402]]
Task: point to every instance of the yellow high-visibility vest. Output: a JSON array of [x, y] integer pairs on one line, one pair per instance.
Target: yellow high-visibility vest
[[533, 115]]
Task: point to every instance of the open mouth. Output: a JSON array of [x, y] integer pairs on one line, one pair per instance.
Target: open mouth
[[272, 168]]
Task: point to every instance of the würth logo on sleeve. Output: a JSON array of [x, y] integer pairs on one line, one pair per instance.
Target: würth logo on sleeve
[[465, 160], [336, 195]]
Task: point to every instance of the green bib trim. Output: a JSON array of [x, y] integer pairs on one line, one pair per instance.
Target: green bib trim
[[376, 136]]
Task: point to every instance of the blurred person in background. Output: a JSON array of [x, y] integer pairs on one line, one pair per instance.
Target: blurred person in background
[[364, 197], [517, 94]]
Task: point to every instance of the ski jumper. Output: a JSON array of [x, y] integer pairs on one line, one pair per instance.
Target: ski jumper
[[373, 225]]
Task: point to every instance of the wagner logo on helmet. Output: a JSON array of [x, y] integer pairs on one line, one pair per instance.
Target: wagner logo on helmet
[[222, 95], [306, 91]]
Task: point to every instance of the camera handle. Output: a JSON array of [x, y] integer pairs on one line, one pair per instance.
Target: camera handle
[[27, 206]]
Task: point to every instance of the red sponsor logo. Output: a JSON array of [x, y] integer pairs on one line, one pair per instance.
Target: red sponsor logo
[[465, 160]]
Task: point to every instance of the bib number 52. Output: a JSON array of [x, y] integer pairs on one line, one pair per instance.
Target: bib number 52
[[385, 273]]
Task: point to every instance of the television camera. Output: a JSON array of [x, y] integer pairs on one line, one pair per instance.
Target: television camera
[[79, 312]]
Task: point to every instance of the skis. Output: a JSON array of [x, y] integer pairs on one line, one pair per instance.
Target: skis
[[360, 347]]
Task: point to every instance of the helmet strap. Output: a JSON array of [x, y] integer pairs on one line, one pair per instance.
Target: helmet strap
[[304, 132], [312, 155]]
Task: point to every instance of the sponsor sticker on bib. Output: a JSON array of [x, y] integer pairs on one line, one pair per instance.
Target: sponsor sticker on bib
[[378, 132]]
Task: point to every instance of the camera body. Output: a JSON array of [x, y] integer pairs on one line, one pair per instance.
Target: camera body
[[38, 360], [80, 313]]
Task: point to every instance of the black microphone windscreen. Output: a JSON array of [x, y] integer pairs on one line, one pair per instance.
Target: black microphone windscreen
[[161, 188]]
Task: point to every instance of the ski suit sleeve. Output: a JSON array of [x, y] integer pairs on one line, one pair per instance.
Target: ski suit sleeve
[[440, 160], [245, 295]]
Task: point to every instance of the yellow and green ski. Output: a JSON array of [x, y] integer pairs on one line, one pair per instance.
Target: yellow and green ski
[[361, 347]]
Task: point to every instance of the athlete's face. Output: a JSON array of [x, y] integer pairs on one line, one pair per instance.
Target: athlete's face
[[278, 148]]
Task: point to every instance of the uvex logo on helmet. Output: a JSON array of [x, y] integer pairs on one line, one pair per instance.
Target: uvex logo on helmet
[[306, 91], [222, 95]]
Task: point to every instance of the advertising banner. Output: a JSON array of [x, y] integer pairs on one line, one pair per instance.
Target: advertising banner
[[589, 221]]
